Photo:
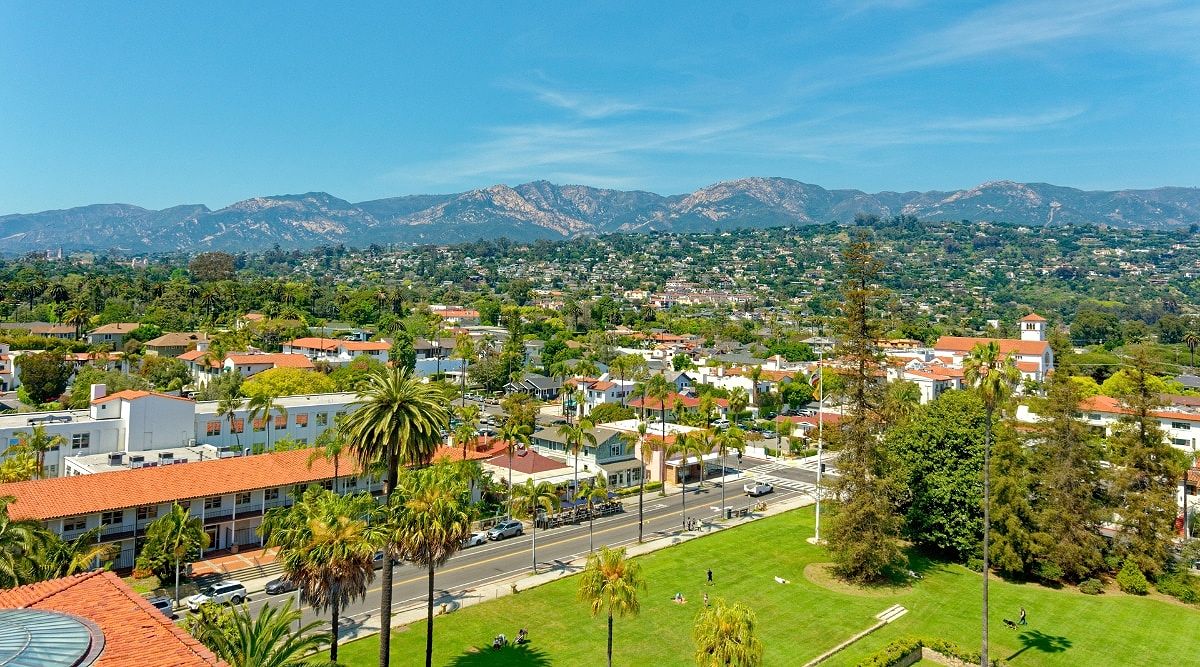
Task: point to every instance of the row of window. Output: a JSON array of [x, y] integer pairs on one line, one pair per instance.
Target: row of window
[[238, 424], [150, 512]]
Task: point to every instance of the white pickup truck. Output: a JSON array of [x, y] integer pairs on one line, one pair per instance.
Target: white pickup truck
[[755, 489]]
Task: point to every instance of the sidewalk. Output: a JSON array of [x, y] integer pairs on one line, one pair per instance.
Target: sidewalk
[[365, 625]]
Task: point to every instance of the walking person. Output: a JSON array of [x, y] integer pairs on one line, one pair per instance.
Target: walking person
[[1022, 621], [706, 599], [710, 581]]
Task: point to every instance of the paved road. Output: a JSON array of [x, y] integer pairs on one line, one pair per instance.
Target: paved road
[[498, 560]]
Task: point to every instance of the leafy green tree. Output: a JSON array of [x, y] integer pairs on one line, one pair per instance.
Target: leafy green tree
[[1068, 484], [326, 547], [350, 376], [431, 516], [398, 422], [1013, 518], [287, 382], [940, 451], [172, 538], [113, 381], [44, 375], [864, 535], [1147, 473], [610, 583], [611, 412], [165, 373], [726, 636]]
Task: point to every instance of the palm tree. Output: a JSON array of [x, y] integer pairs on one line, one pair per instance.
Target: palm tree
[[329, 446], [180, 533], [1192, 340], [658, 388], [738, 400], [227, 408], [38, 442], [263, 405], [431, 518], [55, 557], [57, 293], [77, 317], [707, 405], [596, 491], [266, 640], [610, 583], [577, 437], [17, 540], [755, 375], [466, 431], [514, 435], [725, 636], [527, 499], [995, 378], [326, 546], [398, 422], [684, 446], [730, 438]]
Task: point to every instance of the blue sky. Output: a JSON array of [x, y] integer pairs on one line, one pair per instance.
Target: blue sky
[[166, 103]]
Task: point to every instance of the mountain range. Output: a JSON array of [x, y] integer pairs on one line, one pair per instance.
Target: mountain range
[[543, 210]]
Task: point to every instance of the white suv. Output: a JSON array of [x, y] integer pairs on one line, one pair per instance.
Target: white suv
[[225, 592]]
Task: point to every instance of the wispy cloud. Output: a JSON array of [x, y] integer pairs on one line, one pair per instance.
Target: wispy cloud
[[1024, 27]]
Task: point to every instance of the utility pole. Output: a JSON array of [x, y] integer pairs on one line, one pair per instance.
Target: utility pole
[[820, 435]]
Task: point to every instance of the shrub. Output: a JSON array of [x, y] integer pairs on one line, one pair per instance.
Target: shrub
[[1112, 562], [1181, 586], [633, 490], [1131, 580], [1091, 587], [975, 564], [1047, 571], [895, 652]]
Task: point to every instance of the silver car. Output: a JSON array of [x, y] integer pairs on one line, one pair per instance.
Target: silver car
[[509, 528], [226, 592]]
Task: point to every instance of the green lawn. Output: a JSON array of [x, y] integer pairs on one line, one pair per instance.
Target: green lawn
[[801, 619]]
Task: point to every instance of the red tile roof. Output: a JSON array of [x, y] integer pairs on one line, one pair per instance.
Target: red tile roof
[[1007, 345], [56, 497], [135, 633], [276, 360], [135, 394], [688, 402], [527, 461], [366, 345], [1110, 405], [1033, 317]]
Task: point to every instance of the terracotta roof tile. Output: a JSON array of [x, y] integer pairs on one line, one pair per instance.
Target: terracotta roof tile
[[56, 497], [276, 360], [135, 394], [1033, 317], [1007, 345], [529, 462], [135, 633]]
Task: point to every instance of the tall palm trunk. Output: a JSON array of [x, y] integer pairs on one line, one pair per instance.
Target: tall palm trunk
[[335, 624], [610, 639], [508, 510], [723, 453], [641, 500], [987, 527], [535, 518], [385, 595], [429, 621]]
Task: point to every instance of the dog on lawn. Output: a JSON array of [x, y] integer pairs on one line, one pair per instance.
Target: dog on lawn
[[1009, 624]]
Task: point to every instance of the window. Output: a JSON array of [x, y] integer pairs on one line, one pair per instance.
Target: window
[[214, 428], [1181, 442], [81, 440], [302, 419], [212, 503], [52, 469], [1181, 426], [259, 425], [243, 499], [113, 518], [351, 482], [1094, 416], [322, 419], [238, 425], [635, 475], [612, 480], [616, 449], [327, 485], [280, 421], [147, 512], [74, 523], [271, 494], [339, 415]]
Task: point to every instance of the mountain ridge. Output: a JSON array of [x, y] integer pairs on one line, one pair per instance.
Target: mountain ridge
[[544, 210]]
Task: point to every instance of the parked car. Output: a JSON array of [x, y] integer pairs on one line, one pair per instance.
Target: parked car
[[769, 435], [377, 560], [509, 528], [164, 605], [475, 539], [280, 585], [755, 489], [721, 423], [225, 592]]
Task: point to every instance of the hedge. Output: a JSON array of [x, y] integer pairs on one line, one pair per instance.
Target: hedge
[[633, 490], [895, 652]]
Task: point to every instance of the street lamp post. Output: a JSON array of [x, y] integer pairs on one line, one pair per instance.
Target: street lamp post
[[820, 435]]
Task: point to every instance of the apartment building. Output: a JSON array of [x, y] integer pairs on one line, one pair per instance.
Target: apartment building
[[229, 496]]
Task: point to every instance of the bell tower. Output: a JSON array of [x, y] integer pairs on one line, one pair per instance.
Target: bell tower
[[1033, 327]]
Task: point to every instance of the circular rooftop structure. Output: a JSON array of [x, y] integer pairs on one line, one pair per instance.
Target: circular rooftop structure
[[38, 638]]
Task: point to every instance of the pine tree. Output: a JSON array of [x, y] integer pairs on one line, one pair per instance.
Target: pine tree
[[1069, 485], [1146, 474], [1013, 526], [865, 528]]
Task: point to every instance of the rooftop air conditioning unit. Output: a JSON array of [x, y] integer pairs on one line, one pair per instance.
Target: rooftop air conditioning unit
[[165, 456], [136, 461], [115, 458]]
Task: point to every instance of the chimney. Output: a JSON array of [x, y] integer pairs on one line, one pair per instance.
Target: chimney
[[98, 391]]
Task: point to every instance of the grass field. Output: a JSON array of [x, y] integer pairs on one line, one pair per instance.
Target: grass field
[[800, 620]]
